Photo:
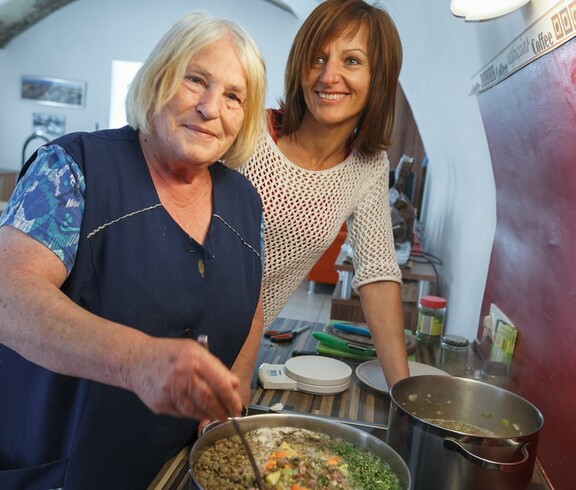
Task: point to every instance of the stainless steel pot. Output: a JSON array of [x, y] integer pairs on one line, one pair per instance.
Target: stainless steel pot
[[447, 459], [337, 430]]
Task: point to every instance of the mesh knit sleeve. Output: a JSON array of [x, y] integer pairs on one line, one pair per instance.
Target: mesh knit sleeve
[[370, 233]]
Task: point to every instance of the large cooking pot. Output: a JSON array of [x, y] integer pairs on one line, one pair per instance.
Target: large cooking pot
[[337, 430], [456, 458]]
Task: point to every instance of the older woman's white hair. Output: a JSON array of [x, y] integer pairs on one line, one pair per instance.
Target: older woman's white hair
[[159, 78]]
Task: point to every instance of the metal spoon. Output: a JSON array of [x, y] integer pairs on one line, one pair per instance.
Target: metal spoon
[[259, 481], [203, 340]]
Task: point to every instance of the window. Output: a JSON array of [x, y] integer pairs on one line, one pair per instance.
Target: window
[[122, 74]]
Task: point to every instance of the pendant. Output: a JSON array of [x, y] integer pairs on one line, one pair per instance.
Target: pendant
[[201, 267]]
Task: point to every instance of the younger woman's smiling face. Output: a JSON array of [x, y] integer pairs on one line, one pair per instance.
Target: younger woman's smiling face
[[337, 84]]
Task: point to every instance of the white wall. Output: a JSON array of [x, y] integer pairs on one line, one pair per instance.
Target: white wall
[[442, 54], [80, 40]]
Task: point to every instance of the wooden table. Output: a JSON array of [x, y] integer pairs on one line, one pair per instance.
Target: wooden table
[[359, 405], [7, 183]]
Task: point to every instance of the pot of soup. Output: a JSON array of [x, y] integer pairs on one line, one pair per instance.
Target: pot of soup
[[456, 433], [295, 451]]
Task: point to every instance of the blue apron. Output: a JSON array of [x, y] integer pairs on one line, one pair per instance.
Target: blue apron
[[134, 266]]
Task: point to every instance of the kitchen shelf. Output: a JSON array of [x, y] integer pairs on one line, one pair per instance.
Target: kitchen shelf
[[418, 277]]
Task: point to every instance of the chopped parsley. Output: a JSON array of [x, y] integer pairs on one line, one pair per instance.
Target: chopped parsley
[[367, 470]]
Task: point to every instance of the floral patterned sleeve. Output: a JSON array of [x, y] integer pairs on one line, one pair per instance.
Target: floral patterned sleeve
[[48, 203]]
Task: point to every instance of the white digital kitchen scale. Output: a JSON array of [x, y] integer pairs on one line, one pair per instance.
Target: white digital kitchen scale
[[318, 375]]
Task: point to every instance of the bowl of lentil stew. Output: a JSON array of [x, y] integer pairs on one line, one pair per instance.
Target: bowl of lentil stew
[[293, 452]]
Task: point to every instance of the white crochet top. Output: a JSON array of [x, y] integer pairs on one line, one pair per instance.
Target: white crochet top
[[304, 210]]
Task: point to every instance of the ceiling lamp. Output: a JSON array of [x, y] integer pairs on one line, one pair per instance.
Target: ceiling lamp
[[476, 10]]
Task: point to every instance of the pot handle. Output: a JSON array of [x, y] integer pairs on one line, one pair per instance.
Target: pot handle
[[210, 425], [467, 450]]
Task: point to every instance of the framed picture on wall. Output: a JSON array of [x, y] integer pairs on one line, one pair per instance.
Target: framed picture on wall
[[53, 91], [50, 125]]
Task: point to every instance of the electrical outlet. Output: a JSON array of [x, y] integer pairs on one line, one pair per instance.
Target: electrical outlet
[[487, 323], [498, 314], [491, 320], [503, 334]]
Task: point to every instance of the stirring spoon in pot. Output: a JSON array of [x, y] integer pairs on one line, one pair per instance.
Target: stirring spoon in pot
[[253, 463], [203, 340]]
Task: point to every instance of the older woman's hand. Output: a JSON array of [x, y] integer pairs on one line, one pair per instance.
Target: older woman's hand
[[181, 378]]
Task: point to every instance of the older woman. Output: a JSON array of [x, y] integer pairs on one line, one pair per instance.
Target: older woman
[[324, 163], [116, 244]]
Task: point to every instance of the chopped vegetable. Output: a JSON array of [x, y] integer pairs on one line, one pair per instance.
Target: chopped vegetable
[[366, 468], [293, 459], [333, 460], [460, 427]]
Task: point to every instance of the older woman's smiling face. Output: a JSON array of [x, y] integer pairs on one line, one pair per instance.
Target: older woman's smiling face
[[203, 119]]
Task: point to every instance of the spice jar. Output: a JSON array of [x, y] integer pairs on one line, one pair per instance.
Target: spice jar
[[454, 355], [431, 311]]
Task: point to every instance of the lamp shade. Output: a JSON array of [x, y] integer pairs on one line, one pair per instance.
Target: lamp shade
[[460, 7], [484, 9]]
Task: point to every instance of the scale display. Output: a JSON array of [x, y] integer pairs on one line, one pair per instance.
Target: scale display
[[311, 374]]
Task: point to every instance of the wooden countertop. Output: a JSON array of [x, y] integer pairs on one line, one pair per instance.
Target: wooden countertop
[[359, 403]]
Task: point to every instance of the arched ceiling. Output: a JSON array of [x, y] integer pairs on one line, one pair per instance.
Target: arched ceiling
[[298, 8], [18, 15]]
